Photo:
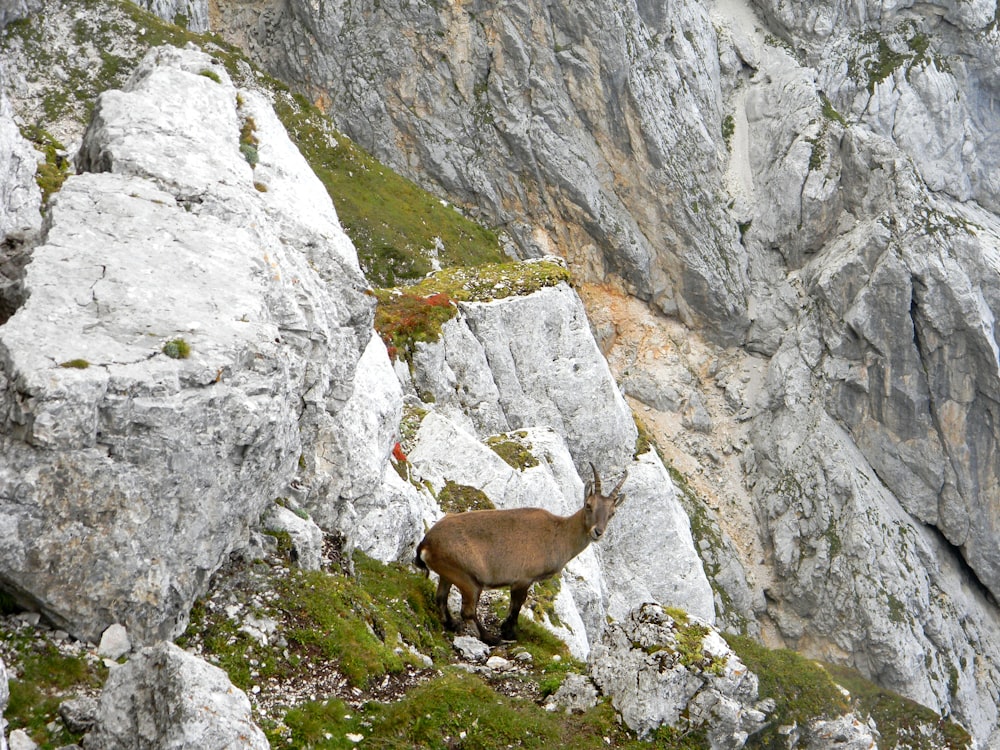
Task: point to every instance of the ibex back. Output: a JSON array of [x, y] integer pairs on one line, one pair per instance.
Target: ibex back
[[498, 548]]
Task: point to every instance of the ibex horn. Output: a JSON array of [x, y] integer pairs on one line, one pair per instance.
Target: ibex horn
[[597, 479], [618, 487]]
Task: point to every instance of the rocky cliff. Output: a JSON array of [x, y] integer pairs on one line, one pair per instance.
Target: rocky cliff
[[812, 185], [810, 264]]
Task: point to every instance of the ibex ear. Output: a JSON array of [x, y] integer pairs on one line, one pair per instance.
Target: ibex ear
[[620, 499]]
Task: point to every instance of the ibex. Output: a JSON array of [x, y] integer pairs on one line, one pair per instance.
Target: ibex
[[497, 548]]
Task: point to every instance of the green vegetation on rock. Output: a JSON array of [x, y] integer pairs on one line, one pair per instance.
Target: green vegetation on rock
[[460, 498], [900, 721], [407, 316], [514, 449]]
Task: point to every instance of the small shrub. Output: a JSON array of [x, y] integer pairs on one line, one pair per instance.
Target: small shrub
[[177, 349], [249, 142], [211, 74]]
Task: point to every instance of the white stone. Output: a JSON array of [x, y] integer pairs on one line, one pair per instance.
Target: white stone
[[115, 642], [205, 709]]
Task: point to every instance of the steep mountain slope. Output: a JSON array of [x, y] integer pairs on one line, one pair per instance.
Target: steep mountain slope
[[812, 184]]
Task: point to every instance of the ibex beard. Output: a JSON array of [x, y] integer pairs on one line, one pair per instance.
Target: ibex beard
[[487, 549]]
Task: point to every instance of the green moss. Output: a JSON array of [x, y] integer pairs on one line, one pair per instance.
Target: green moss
[[460, 498], [513, 449], [177, 349], [212, 75], [801, 688], [75, 364], [900, 721]]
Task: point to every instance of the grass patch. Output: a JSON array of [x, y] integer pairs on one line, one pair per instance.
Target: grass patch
[[358, 622], [801, 688], [45, 679], [900, 721], [399, 229]]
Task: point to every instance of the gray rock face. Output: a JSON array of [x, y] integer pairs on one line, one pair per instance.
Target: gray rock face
[[529, 362], [653, 682], [165, 698], [538, 116], [20, 198], [131, 474]]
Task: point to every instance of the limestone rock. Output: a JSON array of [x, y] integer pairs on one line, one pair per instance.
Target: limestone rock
[[306, 536], [471, 648], [15, 10], [653, 681], [20, 198], [535, 359], [79, 714], [115, 642], [131, 473], [166, 698], [577, 694]]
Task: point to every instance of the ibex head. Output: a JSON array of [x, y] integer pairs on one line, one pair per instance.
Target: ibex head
[[598, 508]]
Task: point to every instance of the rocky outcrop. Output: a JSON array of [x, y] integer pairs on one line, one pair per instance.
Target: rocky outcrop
[[20, 201], [659, 671], [20, 198], [587, 166], [164, 697], [186, 337]]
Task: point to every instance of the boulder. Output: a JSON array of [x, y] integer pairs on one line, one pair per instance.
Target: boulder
[[164, 697], [161, 381], [306, 537], [660, 671]]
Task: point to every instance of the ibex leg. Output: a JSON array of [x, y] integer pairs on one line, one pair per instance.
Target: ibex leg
[[508, 629], [470, 611], [441, 599]]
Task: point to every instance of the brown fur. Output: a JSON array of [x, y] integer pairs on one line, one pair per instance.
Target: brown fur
[[499, 548]]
